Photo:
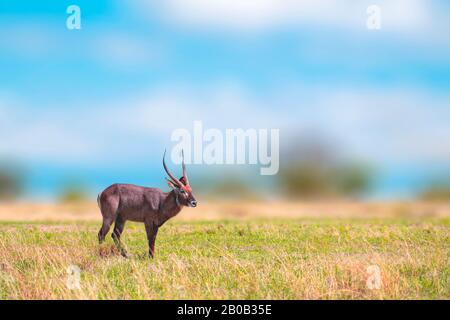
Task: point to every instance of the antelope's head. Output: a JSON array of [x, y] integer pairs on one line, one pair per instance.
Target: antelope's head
[[181, 186]]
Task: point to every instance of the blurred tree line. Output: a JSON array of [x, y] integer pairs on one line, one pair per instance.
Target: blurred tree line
[[437, 191], [314, 169], [318, 180], [12, 181], [310, 169], [73, 191]]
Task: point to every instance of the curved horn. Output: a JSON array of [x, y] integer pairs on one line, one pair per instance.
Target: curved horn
[[175, 180], [184, 169]]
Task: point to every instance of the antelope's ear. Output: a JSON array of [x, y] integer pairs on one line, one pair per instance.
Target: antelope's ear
[[170, 184], [183, 180]]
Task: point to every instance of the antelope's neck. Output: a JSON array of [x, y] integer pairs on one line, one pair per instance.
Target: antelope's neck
[[170, 207]]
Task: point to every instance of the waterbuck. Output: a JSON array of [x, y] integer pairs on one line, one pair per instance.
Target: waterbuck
[[121, 202]]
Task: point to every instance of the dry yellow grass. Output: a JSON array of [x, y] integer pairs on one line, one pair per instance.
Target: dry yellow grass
[[309, 255], [223, 210]]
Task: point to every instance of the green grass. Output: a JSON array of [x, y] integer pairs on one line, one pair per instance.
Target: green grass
[[254, 259]]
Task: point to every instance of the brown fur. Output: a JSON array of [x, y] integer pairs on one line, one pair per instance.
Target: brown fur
[[121, 202]]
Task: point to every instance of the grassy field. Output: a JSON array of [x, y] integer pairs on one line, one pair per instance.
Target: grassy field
[[297, 258]]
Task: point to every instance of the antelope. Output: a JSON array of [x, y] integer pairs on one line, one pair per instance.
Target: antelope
[[122, 202]]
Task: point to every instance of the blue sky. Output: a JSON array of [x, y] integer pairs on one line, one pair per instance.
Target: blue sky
[[99, 104]]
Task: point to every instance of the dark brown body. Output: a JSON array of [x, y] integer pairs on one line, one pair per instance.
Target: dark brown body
[[121, 202]]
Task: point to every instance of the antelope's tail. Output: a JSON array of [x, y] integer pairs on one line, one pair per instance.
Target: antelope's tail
[[98, 201]]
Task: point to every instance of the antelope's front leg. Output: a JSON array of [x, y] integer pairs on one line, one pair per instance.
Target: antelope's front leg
[[152, 230]]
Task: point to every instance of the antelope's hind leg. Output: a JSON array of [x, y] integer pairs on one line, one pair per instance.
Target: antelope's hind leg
[[108, 207], [118, 229], [104, 230]]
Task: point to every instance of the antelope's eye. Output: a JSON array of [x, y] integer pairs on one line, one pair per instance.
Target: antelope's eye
[[182, 191]]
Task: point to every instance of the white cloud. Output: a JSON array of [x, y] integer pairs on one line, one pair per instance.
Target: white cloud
[[396, 126], [34, 135], [382, 126], [222, 106], [113, 48], [118, 50], [27, 39], [111, 131], [259, 15]]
